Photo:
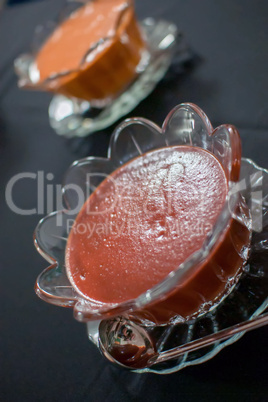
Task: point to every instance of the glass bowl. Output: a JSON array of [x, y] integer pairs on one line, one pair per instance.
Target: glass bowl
[[72, 116], [186, 124], [99, 70]]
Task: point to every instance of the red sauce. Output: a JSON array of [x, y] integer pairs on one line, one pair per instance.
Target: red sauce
[[109, 67], [143, 221]]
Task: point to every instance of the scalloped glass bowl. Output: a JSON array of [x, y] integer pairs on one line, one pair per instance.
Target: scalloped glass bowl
[[186, 124]]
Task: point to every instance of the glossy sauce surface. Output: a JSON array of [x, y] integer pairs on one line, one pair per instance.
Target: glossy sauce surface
[[143, 221]]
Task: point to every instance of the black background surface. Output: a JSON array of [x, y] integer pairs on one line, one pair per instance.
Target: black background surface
[[45, 354]]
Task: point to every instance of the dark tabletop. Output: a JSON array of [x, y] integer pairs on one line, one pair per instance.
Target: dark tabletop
[[44, 354]]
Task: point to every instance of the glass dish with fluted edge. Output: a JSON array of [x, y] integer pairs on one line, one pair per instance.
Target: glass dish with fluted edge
[[186, 124]]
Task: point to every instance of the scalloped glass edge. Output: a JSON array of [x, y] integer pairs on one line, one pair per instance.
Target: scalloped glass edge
[[218, 347], [185, 124]]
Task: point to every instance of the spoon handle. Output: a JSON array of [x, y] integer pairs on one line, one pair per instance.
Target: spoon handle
[[256, 322]]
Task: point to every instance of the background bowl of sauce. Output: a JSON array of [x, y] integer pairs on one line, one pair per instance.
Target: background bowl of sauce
[[92, 54], [99, 64]]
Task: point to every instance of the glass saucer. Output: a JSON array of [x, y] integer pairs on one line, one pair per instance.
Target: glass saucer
[[72, 117]]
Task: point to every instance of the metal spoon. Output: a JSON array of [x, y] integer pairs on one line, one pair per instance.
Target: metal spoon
[[128, 344]]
